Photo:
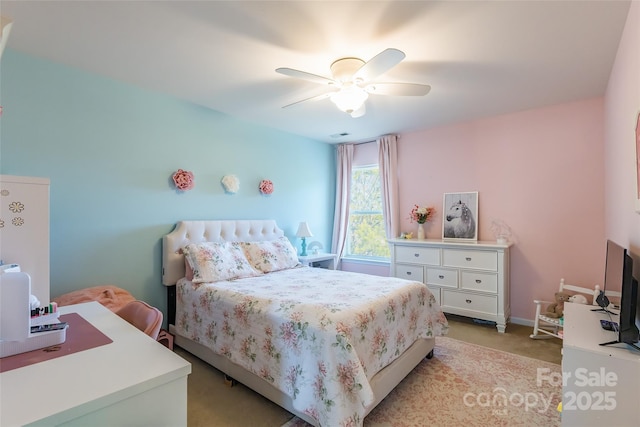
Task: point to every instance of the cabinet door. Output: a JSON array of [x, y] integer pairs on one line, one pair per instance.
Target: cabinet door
[[416, 255], [410, 272], [24, 229], [484, 304], [479, 260], [442, 277], [476, 281]]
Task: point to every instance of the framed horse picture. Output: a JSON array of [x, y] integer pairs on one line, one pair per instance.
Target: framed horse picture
[[460, 216]]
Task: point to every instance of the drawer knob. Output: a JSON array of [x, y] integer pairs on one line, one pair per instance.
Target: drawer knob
[[468, 258], [468, 301], [441, 277], [408, 273], [478, 281], [416, 255]]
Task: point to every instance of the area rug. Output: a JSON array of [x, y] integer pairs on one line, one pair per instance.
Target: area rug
[[469, 385]]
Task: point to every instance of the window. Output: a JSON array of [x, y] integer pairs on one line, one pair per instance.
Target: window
[[366, 236]]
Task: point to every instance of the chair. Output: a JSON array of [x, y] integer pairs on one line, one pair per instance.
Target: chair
[[548, 327], [143, 316]]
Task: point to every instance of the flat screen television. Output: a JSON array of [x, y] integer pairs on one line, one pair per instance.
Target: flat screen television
[[628, 332], [613, 271]]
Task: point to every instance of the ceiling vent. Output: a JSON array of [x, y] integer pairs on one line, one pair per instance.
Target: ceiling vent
[[339, 135]]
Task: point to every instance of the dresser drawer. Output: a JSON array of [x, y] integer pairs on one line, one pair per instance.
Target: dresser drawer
[[479, 260], [410, 272], [442, 277], [485, 282], [465, 301], [417, 255]]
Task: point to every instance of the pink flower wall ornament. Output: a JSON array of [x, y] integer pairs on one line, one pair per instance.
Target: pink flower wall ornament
[[266, 187], [184, 180]]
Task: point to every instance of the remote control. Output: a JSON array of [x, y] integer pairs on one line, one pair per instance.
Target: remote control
[[609, 326]]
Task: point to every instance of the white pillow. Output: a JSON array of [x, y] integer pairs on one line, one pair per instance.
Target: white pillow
[[271, 255], [218, 261]]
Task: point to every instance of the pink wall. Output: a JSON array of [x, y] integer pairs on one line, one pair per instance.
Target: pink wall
[[559, 176], [541, 171], [622, 105]]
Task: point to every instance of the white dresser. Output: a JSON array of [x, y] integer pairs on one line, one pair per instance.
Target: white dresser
[[467, 278]]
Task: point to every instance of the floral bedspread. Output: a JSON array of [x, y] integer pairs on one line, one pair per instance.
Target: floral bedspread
[[317, 335]]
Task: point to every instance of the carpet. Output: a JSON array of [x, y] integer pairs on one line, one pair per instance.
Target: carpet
[[469, 385]]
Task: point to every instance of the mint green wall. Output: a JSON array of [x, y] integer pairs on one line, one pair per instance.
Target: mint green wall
[[110, 149]]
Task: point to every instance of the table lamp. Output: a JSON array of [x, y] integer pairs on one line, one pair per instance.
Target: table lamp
[[304, 232]]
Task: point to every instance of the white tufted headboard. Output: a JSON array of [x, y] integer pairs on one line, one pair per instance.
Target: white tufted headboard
[[210, 231]]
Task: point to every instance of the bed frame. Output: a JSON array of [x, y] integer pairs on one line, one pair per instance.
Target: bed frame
[[187, 232]]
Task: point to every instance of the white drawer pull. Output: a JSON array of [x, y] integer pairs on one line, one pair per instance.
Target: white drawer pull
[[468, 301], [468, 258], [441, 277]]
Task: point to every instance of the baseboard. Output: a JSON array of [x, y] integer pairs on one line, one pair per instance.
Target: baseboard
[[519, 321]]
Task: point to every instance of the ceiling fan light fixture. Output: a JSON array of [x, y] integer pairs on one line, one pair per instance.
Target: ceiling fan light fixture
[[349, 99]]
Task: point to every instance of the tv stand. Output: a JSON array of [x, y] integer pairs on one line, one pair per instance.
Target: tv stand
[[601, 382], [604, 310], [620, 342]]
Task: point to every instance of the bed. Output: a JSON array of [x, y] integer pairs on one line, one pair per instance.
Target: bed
[[326, 345]]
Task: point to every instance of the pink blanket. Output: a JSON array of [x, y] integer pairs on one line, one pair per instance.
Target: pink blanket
[[110, 296]]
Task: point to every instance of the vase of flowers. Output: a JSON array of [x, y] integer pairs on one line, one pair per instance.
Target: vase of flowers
[[421, 215]]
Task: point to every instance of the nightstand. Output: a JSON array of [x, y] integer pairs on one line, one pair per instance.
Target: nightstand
[[329, 261]]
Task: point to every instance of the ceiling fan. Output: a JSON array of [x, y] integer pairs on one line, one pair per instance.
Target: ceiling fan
[[353, 81]]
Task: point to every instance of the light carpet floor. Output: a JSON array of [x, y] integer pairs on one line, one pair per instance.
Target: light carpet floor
[[469, 385], [211, 403]]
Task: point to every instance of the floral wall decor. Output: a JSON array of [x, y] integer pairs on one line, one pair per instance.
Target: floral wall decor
[[231, 184], [266, 187], [184, 180]]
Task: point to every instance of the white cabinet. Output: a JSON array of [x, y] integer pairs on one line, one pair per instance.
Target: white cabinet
[[24, 228], [601, 384], [468, 279]]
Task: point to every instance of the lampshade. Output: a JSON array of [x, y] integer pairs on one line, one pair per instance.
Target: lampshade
[[5, 29], [303, 230], [349, 99]]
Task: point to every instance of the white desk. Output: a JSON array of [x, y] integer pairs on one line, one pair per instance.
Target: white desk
[[602, 383], [311, 259], [133, 381]]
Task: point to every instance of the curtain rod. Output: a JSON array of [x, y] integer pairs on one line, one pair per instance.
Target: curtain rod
[[364, 142], [357, 143]]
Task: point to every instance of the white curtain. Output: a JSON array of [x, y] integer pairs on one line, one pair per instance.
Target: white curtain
[[388, 166], [343, 193]]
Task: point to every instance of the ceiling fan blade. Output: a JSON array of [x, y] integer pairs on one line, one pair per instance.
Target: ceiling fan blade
[[398, 89], [379, 64], [313, 98], [305, 76]]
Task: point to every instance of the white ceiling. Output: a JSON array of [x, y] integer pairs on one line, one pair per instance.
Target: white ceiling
[[481, 58]]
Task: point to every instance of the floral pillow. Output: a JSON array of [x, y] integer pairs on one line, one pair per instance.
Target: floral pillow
[[218, 261], [271, 255], [188, 271]]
